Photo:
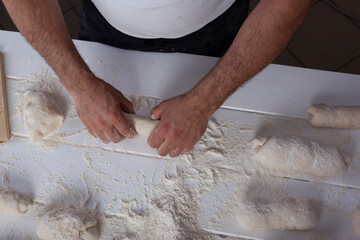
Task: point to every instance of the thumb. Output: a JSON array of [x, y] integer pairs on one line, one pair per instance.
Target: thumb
[[157, 111]]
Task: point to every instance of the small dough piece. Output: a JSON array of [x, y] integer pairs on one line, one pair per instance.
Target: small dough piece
[[42, 114], [284, 155], [143, 126], [13, 203], [322, 115], [281, 214], [356, 222], [67, 224]]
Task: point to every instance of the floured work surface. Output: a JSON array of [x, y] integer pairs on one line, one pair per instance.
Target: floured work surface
[[139, 195]]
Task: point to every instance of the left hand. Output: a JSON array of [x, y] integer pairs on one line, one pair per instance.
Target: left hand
[[183, 120]]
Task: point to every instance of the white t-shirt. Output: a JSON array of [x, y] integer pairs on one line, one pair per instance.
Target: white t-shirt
[[160, 18]]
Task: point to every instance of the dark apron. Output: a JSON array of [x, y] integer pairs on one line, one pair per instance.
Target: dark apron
[[211, 40]]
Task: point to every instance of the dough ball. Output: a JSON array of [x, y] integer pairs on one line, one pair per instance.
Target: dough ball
[[143, 126], [280, 214], [322, 115], [281, 155], [356, 222], [42, 114], [13, 203], [67, 224]]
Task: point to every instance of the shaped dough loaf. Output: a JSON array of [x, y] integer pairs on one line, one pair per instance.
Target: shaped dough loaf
[[67, 224], [42, 114], [322, 115], [280, 214], [13, 203], [143, 126], [300, 156]]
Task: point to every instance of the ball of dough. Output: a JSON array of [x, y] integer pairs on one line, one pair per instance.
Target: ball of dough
[[13, 203], [281, 155], [67, 224], [356, 222], [280, 214], [142, 125], [42, 114], [322, 115]]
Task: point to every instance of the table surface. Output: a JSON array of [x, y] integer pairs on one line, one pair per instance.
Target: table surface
[[273, 102]]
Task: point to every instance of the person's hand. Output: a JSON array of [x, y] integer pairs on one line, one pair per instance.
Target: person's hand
[[100, 107], [183, 120]]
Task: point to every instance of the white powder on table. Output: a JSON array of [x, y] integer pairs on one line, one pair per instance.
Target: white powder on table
[[169, 209]]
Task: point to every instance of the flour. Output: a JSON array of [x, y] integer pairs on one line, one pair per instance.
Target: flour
[[13, 203], [42, 114], [67, 224], [170, 203], [278, 213]]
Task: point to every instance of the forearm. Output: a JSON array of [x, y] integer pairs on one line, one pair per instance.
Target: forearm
[[42, 24], [262, 37]]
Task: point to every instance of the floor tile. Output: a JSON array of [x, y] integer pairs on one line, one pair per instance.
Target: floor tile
[[286, 58], [351, 67], [5, 19], [326, 40], [64, 5], [72, 22], [347, 7]]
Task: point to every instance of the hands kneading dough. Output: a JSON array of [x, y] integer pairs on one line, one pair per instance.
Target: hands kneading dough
[[143, 126], [13, 203], [67, 224], [42, 114], [278, 214], [297, 155], [322, 115]]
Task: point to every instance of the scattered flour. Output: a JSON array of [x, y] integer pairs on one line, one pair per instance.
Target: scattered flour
[[171, 205], [67, 224], [42, 114], [279, 214], [13, 203]]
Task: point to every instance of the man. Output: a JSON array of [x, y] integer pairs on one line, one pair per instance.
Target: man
[[205, 27]]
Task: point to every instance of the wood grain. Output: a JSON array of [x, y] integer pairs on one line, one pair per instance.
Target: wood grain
[[4, 118]]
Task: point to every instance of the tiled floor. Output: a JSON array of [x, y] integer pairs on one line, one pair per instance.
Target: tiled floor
[[328, 39]]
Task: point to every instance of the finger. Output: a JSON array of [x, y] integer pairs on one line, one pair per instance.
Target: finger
[[102, 137], [176, 151], [111, 135], [155, 139], [157, 111], [164, 148], [123, 126], [91, 130], [126, 105], [189, 147], [118, 134]]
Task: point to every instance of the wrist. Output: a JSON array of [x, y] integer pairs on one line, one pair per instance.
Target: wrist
[[82, 82], [200, 100]]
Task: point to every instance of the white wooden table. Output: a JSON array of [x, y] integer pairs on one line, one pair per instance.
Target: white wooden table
[[276, 98]]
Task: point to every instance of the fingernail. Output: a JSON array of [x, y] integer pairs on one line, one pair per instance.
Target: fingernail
[[132, 133], [153, 117]]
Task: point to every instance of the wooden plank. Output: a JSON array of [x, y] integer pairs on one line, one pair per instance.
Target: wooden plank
[[4, 118]]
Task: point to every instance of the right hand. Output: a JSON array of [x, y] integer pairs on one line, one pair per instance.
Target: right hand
[[99, 106]]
